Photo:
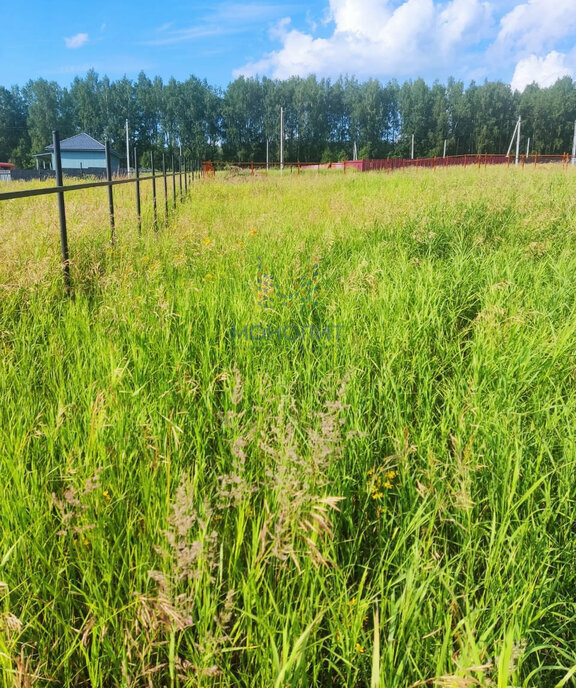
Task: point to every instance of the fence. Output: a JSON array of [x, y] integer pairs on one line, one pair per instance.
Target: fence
[[479, 160], [185, 176], [388, 164], [43, 175]]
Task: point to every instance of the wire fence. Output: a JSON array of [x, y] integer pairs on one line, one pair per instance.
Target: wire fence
[[180, 175]]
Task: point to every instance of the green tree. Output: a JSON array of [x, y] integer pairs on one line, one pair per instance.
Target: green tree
[[439, 120], [415, 110], [561, 101], [86, 105], [460, 122], [373, 110], [495, 112], [13, 131], [243, 120], [49, 108]]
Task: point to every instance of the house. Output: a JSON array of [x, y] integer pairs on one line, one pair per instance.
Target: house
[[80, 152], [5, 171]]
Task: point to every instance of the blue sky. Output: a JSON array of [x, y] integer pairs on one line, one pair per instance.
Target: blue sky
[[516, 41]]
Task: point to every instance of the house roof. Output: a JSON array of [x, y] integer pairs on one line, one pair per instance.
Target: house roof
[[81, 142]]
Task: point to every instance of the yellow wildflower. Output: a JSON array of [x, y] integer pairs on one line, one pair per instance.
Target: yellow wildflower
[[391, 474], [253, 232], [106, 495], [207, 241], [388, 485], [360, 648], [209, 277]]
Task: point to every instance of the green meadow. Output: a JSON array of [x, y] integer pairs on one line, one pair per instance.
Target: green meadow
[[204, 484]]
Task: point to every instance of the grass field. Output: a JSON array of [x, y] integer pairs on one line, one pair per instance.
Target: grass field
[[192, 496]]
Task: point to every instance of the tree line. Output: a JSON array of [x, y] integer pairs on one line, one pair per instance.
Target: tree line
[[323, 119]]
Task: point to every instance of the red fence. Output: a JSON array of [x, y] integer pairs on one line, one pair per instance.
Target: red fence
[[480, 160], [388, 164]]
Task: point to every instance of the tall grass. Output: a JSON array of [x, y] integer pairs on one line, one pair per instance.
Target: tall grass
[[183, 506]]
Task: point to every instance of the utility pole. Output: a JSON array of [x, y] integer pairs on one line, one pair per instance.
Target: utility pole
[[267, 156], [412, 155], [281, 140], [444, 149], [528, 149], [574, 146], [127, 150], [518, 140], [512, 140]]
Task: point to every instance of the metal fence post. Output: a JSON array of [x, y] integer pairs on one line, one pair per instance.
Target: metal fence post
[[180, 175], [154, 208], [110, 193], [165, 186], [185, 178], [137, 175], [61, 211], [173, 181]]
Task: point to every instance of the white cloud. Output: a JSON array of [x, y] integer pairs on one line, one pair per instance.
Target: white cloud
[[462, 18], [225, 19], [186, 35], [76, 41], [543, 70], [379, 38], [359, 18], [538, 24]]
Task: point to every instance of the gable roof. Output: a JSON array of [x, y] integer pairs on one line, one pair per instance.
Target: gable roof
[[81, 142]]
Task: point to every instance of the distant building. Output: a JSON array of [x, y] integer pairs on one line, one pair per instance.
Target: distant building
[[80, 152], [5, 171]]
